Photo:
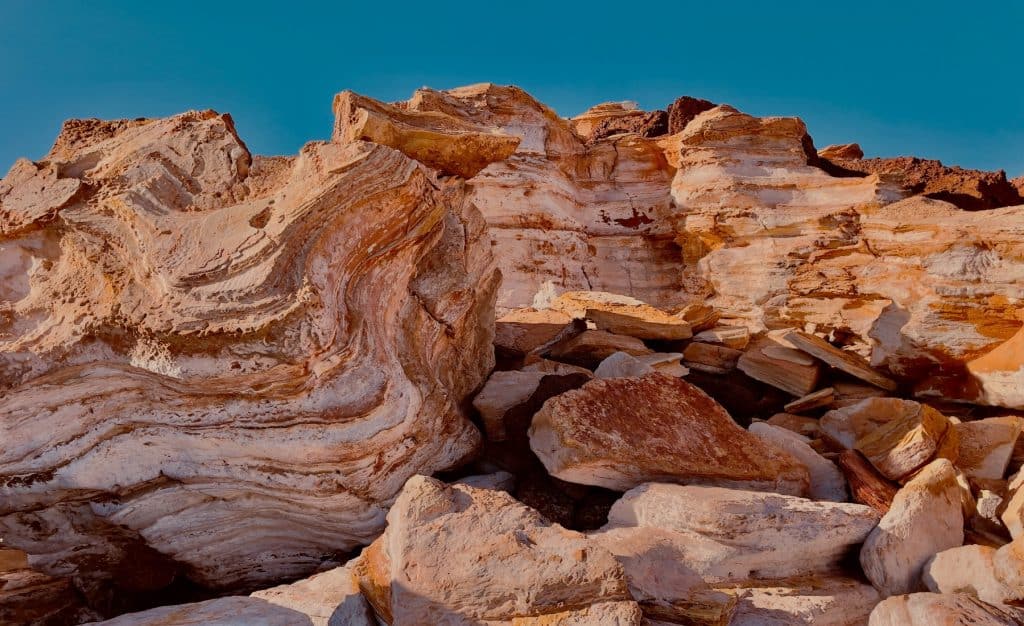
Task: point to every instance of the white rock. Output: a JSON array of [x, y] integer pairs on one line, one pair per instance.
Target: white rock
[[827, 481], [966, 569], [935, 609]]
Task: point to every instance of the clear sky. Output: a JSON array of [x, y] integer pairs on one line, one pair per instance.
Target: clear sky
[[939, 79]]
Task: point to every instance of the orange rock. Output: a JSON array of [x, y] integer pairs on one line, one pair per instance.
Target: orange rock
[[621, 432]]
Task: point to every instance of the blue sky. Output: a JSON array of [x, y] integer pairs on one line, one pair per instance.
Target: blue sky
[[938, 79]]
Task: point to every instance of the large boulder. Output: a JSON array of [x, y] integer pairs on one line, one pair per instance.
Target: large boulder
[[460, 555], [621, 432], [925, 518], [224, 366]]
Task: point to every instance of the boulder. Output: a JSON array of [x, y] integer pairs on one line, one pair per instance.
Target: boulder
[[1000, 373], [826, 481], [810, 601], [529, 331], [502, 392], [455, 554], [843, 360], [925, 518], [772, 361], [967, 569], [591, 347], [710, 358], [728, 535], [623, 365], [799, 424], [986, 446], [866, 484], [735, 337], [815, 400], [621, 432], [929, 609]]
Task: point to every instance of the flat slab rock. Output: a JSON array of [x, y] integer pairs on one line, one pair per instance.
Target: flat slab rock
[[621, 432], [729, 535], [810, 601]]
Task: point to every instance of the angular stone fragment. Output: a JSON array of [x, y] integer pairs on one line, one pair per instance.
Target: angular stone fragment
[[622, 365], [846, 393], [622, 315], [735, 337], [502, 392], [815, 400], [867, 486], [932, 609], [591, 347], [1008, 568], [810, 601], [900, 446], [621, 432], [729, 535], [839, 359], [625, 613], [925, 518], [986, 446], [548, 366], [770, 361], [455, 554], [701, 317], [710, 358], [526, 331], [31, 597], [827, 482], [966, 569]]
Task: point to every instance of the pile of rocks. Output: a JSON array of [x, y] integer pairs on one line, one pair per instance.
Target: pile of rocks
[[851, 506]]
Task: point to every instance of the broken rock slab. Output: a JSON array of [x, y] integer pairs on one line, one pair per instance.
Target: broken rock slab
[[455, 554], [826, 481], [623, 365], [925, 518], [1000, 373], [729, 535], [591, 347], [620, 432], [932, 609], [986, 446], [772, 361], [525, 331], [622, 315], [807, 601], [901, 446], [967, 569], [843, 360]]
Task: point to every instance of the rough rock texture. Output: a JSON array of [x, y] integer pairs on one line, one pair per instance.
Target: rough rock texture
[[1000, 373], [967, 569], [826, 481], [932, 609], [621, 432], [968, 189], [925, 519], [728, 535], [986, 446], [810, 601], [459, 555], [226, 367]]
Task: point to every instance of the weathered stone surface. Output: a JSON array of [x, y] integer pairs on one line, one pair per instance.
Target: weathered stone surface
[[814, 400], [848, 362], [903, 444], [614, 118], [973, 190], [229, 611], [931, 609], [827, 482], [1000, 373], [735, 337], [31, 597], [223, 366], [800, 424], [1008, 568], [591, 347], [866, 484], [810, 601], [526, 331], [455, 554], [622, 315], [502, 392], [728, 535], [841, 151], [710, 358], [622, 365], [621, 432], [925, 518], [780, 365], [986, 446], [966, 569], [683, 110]]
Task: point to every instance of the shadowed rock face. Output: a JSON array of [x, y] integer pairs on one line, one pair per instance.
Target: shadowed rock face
[[226, 367]]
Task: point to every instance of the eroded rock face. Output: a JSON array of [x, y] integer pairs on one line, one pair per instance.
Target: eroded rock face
[[621, 432], [226, 367]]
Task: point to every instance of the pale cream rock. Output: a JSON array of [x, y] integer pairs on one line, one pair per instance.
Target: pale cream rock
[[660, 579], [986, 446], [623, 365], [735, 337], [1013, 514], [591, 347], [627, 613], [827, 482], [924, 519], [228, 359], [504, 391], [621, 432], [966, 569], [900, 446], [1000, 372], [810, 601], [846, 425], [771, 361], [728, 535], [1008, 568], [455, 554], [940, 609]]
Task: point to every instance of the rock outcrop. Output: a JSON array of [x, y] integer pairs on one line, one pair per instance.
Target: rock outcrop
[[225, 367]]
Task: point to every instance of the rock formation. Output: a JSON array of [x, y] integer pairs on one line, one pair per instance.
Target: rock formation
[[443, 343]]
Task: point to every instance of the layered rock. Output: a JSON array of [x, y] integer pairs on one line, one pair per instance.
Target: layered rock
[[456, 554], [226, 367], [621, 432]]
